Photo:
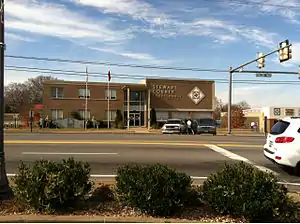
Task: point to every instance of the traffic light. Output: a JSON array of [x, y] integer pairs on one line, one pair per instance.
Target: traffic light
[[285, 54], [261, 61]]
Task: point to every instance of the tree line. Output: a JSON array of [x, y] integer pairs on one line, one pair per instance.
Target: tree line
[[29, 92]]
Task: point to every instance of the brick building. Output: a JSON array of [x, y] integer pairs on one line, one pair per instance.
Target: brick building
[[174, 98]]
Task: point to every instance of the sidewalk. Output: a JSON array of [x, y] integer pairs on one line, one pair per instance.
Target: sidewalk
[[222, 132], [82, 131]]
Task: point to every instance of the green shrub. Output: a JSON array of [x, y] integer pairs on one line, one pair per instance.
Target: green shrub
[[49, 186], [153, 189], [242, 190]]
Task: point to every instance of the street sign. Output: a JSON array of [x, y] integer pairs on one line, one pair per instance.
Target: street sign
[[266, 75]]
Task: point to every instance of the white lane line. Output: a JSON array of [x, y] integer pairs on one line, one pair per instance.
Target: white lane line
[[69, 153], [234, 156], [193, 177]]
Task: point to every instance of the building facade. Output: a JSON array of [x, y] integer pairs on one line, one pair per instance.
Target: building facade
[[273, 114], [174, 98]]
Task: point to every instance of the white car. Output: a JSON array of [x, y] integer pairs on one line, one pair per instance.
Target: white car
[[174, 126], [283, 144]]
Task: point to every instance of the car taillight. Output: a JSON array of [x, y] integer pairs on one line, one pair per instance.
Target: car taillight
[[284, 139]]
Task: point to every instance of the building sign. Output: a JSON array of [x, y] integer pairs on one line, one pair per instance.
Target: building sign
[[289, 112], [196, 95], [276, 112], [165, 91]]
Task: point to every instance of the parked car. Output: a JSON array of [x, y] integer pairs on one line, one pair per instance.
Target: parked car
[[283, 144], [206, 125], [174, 126]]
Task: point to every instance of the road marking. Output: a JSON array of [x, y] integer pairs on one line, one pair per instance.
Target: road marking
[[234, 156], [69, 153], [170, 143], [240, 145]]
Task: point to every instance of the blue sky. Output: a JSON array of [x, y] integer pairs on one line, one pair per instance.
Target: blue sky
[[181, 33]]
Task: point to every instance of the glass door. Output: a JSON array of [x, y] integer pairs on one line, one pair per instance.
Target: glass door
[[135, 119]]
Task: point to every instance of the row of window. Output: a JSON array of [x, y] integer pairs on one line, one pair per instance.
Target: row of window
[[59, 114], [58, 92]]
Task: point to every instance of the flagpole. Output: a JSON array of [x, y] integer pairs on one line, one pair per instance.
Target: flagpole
[[108, 95], [86, 99]]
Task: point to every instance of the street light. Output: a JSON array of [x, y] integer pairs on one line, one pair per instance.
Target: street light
[[5, 190]]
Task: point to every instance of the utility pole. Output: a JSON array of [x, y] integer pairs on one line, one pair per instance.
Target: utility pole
[[5, 190], [285, 53], [229, 101]]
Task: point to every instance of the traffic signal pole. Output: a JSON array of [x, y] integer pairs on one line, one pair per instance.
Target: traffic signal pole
[[5, 190], [239, 69]]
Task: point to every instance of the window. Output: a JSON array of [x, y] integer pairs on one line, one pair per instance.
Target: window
[[57, 92], [207, 121], [112, 94], [174, 121], [84, 93], [57, 114], [82, 114], [279, 127], [112, 115]]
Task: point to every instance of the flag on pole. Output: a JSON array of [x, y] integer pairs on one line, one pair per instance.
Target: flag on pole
[[108, 76]]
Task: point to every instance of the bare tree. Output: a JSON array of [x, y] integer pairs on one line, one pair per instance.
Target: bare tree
[[218, 108], [35, 88], [30, 92], [15, 95], [243, 105]]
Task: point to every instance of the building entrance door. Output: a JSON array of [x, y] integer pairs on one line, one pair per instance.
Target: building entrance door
[[135, 119]]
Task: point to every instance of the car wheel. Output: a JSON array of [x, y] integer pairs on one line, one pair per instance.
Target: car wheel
[[289, 170], [297, 169]]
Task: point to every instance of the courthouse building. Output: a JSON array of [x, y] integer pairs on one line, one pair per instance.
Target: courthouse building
[[171, 98]]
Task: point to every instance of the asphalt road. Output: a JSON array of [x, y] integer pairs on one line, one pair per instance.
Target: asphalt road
[[198, 156]]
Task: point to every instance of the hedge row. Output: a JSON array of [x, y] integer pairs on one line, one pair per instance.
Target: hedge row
[[239, 190]]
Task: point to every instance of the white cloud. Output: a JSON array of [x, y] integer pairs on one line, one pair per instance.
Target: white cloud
[[56, 20], [18, 37], [287, 9], [134, 55], [158, 23], [137, 10]]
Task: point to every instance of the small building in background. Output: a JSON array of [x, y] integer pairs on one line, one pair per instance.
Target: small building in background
[[272, 113]]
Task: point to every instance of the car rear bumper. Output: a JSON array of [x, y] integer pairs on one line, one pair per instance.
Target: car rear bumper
[[277, 158], [206, 130]]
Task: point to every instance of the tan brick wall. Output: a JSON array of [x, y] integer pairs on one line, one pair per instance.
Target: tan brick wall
[[97, 104]]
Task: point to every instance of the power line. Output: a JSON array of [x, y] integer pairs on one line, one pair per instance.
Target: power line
[[139, 77], [115, 64]]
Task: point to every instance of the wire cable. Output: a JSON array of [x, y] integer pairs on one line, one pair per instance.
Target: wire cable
[[122, 76], [116, 64]]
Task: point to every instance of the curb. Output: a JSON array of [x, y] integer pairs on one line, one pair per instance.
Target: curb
[[76, 219], [83, 132]]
